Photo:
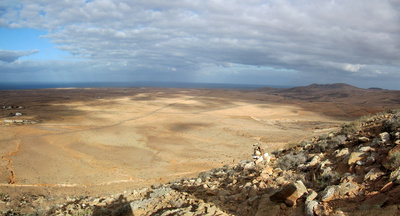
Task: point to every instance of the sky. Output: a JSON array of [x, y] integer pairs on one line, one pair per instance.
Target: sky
[[262, 42]]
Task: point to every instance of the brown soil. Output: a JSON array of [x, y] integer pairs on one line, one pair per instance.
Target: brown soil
[[105, 140]]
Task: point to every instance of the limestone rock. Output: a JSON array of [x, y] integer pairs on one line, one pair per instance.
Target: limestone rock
[[311, 195], [290, 193], [283, 193], [373, 174], [363, 139], [354, 157], [342, 152], [309, 208], [300, 190], [385, 137], [314, 161], [328, 193]]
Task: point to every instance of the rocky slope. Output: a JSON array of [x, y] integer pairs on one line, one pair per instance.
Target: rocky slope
[[354, 171]]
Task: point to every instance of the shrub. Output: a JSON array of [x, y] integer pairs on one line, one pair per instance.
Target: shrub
[[328, 177], [321, 146], [339, 139], [393, 161], [351, 128], [290, 160]]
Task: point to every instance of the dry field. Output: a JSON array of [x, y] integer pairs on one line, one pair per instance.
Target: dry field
[[102, 140]]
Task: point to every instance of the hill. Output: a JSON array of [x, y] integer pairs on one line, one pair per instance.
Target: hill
[[354, 171]]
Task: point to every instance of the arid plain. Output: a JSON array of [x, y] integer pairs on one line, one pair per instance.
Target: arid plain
[[102, 140]]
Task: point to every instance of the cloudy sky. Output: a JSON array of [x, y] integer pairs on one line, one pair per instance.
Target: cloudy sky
[[264, 42]]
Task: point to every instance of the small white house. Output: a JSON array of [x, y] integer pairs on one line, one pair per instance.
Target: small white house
[[18, 114]]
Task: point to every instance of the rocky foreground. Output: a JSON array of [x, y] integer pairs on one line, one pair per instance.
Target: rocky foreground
[[351, 172]]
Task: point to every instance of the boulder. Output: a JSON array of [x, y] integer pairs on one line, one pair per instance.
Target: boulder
[[300, 190], [289, 193]]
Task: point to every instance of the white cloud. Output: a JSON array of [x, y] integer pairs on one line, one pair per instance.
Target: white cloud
[[352, 67], [11, 56]]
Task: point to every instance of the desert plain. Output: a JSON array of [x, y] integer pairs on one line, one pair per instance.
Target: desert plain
[[104, 140]]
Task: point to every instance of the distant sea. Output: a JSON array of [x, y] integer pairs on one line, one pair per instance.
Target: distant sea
[[11, 86]]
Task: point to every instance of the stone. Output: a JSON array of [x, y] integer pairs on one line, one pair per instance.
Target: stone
[[365, 149], [300, 190], [373, 174], [311, 195], [385, 137], [267, 158], [395, 176], [250, 167], [342, 152], [397, 142], [354, 157], [314, 161], [283, 193], [309, 208], [290, 193], [328, 193], [363, 139], [347, 188], [280, 180]]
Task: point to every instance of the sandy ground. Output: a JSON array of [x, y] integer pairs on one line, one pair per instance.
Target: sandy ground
[[108, 140]]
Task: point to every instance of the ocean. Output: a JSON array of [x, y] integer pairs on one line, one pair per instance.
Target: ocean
[[12, 86]]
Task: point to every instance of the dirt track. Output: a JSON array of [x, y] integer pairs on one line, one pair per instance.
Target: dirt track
[[110, 139]]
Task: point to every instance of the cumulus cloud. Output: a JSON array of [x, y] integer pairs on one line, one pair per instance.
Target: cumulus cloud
[[10, 56], [315, 38]]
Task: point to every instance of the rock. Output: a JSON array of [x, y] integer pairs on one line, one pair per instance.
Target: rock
[[366, 149], [385, 137], [354, 157], [395, 176], [250, 167], [397, 142], [267, 158], [363, 139], [300, 190], [311, 195], [309, 208], [280, 180], [373, 174], [342, 152], [338, 191], [328, 193], [283, 193], [314, 161], [347, 188], [290, 193]]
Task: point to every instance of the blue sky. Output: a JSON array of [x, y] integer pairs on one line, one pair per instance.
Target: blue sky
[[22, 39], [263, 42]]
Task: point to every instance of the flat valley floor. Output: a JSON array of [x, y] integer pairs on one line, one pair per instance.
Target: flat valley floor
[[106, 140]]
